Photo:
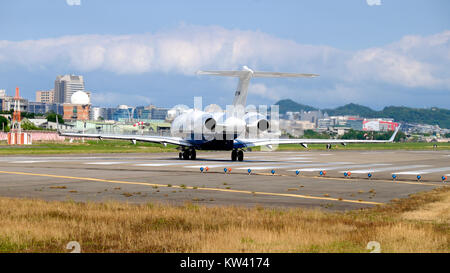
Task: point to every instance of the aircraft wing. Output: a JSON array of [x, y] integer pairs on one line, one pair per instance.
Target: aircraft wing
[[243, 143], [154, 139]]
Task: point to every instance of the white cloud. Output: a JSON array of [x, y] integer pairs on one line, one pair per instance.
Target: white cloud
[[183, 50], [73, 2], [413, 61], [373, 2], [265, 92], [115, 98]]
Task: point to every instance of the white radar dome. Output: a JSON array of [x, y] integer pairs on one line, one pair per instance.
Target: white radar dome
[[80, 97]]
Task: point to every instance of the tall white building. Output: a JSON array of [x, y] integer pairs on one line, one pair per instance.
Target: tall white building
[[66, 85]]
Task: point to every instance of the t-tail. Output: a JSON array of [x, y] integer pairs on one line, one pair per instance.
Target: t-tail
[[245, 75]]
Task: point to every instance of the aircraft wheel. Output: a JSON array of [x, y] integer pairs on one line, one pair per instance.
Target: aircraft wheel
[[186, 155], [240, 155], [193, 154], [234, 155]]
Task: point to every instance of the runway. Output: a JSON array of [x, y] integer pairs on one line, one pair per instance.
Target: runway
[[141, 178]]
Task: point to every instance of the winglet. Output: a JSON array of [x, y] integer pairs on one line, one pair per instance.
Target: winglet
[[394, 134]]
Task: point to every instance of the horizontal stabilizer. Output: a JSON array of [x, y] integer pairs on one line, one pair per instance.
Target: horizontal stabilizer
[[246, 74], [257, 74], [224, 73]]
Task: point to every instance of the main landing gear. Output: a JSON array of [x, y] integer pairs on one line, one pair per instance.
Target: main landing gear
[[188, 154], [237, 155]]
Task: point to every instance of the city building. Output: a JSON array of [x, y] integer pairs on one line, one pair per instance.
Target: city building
[[45, 96], [96, 113], [123, 113], [111, 127], [295, 128], [311, 116], [383, 125], [78, 108], [42, 108], [66, 86], [126, 113], [341, 123], [142, 112], [158, 113], [7, 102], [355, 123], [2, 98]]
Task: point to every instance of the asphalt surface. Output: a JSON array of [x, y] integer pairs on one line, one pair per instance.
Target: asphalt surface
[[141, 178]]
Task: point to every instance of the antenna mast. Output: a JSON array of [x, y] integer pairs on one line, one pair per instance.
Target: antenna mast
[[16, 122]]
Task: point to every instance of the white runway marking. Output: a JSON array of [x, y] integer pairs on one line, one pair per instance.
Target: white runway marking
[[301, 161], [388, 169], [338, 167], [30, 161], [264, 167], [434, 170], [209, 166], [291, 166], [162, 164], [105, 163], [372, 153]]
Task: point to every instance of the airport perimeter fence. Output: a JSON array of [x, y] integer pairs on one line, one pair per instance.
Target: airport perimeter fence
[[39, 136]]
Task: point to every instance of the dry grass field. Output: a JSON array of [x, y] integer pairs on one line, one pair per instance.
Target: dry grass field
[[417, 224]]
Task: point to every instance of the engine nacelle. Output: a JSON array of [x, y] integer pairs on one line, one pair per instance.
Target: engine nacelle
[[256, 123], [197, 122]]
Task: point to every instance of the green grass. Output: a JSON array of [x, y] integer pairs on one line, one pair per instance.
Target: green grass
[[90, 146]]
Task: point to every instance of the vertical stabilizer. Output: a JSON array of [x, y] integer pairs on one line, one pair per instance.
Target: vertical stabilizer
[[240, 96]]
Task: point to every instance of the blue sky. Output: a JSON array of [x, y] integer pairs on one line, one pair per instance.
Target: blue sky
[[138, 52]]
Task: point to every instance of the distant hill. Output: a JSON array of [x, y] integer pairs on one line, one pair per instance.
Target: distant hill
[[431, 116], [289, 105], [351, 109]]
